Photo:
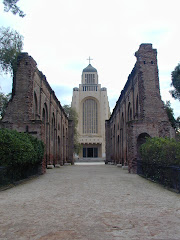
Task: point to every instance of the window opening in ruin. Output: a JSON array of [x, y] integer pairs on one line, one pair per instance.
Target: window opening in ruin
[[35, 105], [43, 116]]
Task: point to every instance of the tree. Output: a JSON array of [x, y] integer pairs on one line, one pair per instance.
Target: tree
[[175, 77], [4, 99], [175, 123], [10, 5], [11, 44], [72, 115]]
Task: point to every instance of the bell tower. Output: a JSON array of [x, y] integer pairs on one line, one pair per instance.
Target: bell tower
[[91, 103]]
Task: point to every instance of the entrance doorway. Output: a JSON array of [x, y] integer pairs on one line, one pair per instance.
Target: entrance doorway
[[90, 152]]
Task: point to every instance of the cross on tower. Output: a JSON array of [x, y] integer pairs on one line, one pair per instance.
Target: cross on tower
[[89, 59]]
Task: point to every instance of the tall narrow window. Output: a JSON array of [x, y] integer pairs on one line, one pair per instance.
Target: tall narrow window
[[90, 116], [35, 105]]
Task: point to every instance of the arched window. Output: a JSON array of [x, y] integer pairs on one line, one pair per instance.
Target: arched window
[[129, 117], [90, 116], [45, 114], [35, 105]]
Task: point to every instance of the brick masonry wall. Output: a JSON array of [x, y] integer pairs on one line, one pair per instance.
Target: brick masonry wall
[[34, 108], [139, 111]]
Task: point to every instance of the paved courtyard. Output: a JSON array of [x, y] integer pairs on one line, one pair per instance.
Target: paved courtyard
[[82, 202]]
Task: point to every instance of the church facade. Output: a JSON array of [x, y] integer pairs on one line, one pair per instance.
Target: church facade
[[91, 103]]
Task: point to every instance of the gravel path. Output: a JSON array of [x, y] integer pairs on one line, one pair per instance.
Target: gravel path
[[89, 203]]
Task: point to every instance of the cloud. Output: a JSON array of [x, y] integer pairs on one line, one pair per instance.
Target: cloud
[[61, 35]]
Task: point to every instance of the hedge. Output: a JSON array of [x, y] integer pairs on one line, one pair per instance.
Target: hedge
[[160, 161], [162, 151], [19, 152]]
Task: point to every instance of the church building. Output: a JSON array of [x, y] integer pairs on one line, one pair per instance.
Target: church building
[[91, 103]]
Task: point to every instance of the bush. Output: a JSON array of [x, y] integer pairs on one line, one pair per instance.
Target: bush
[[162, 151], [19, 152], [38, 149], [161, 161]]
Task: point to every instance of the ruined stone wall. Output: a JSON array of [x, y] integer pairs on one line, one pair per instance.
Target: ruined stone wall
[[34, 108], [138, 113]]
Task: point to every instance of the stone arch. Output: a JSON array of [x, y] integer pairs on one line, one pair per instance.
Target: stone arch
[[141, 139]]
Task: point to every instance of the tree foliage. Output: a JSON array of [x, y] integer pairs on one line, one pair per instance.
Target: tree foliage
[[175, 77], [10, 5], [175, 123], [11, 44], [4, 99], [72, 115], [19, 152], [163, 151], [19, 148], [161, 161]]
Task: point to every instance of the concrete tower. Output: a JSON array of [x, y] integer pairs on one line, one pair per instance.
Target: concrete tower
[[91, 103]]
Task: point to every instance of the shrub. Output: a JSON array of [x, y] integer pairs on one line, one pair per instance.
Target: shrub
[[38, 148], [161, 161], [162, 151], [19, 152]]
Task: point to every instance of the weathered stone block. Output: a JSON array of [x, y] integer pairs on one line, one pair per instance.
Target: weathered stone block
[[57, 165], [119, 165], [67, 164], [50, 166], [124, 167]]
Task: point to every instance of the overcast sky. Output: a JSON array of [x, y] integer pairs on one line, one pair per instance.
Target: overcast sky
[[61, 35]]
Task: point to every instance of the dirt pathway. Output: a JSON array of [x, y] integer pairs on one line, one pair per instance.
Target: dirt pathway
[[89, 203]]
